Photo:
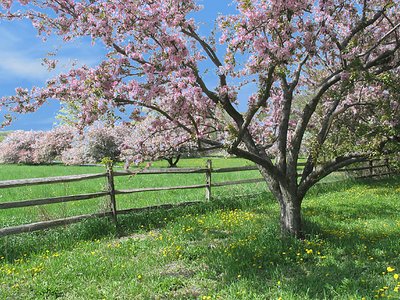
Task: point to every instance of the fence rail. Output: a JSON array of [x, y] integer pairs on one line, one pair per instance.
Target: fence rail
[[112, 192]]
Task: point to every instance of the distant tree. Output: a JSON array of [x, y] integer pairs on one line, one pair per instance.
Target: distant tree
[[3, 135], [96, 142], [147, 141], [51, 144], [18, 147]]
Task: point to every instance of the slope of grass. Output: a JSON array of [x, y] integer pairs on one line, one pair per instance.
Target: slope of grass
[[225, 249]]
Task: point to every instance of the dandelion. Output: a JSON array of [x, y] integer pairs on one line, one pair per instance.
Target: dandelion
[[396, 276], [309, 251], [139, 277], [390, 269]]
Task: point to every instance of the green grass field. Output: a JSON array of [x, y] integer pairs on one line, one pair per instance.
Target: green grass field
[[18, 216], [229, 248]]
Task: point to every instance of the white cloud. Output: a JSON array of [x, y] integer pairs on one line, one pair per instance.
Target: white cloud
[[21, 66], [21, 53]]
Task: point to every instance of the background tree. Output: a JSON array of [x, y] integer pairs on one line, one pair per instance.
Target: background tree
[[96, 142], [36, 147], [49, 145], [157, 60], [153, 138], [19, 147]]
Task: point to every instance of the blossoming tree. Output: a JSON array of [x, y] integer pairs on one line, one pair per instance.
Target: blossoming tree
[[304, 60], [19, 147], [96, 142], [153, 138], [36, 147]]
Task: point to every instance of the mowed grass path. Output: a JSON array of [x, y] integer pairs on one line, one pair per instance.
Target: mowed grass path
[[225, 249]]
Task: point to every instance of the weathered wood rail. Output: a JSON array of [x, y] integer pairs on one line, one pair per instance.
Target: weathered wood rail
[[111, 192]]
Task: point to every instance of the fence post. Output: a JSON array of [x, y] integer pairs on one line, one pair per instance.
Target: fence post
[[111, 191], [371, 167], [208, 180]]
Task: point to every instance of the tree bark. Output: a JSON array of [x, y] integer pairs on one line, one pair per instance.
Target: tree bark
[[171, 162], [289, 202], [290, 216]]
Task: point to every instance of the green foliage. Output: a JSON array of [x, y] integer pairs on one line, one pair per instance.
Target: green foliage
[[107, 161], [3, 135]]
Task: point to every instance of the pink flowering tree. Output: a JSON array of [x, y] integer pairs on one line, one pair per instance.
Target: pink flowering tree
[[19, 147], [154, 138], [303, 59], [36, 147], [96, 142], [51, 144]]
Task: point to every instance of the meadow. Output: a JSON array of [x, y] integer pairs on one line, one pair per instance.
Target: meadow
[[228, 248]]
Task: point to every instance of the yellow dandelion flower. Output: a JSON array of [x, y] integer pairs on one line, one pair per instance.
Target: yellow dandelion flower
[[390, 269], [396, 276]]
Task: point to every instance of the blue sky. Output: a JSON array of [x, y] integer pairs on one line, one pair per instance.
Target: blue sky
[[21, 53]]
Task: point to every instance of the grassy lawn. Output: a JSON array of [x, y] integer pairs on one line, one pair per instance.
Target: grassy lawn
[[18, 216], [228, 248]]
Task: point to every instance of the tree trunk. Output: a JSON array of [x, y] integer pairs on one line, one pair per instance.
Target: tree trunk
[[290, 215], [171, 162]]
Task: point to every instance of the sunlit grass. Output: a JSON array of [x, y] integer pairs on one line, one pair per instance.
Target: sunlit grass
[[229, 248], [32, 214]]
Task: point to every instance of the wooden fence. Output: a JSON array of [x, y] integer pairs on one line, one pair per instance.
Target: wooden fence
[[373, 168]]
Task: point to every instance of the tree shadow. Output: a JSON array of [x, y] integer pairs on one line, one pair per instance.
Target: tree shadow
[[262, 257], [67, 237]]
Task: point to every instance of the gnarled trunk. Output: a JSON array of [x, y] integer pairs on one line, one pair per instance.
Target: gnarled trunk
[[290, 204], [290, 215]]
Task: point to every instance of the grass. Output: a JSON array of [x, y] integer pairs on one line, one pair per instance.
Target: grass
[[32, 214], [225, 249]]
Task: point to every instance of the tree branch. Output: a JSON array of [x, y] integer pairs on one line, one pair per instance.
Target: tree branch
[[327, 169]]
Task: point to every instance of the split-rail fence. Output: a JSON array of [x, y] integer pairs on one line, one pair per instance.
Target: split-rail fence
[[373, 168]]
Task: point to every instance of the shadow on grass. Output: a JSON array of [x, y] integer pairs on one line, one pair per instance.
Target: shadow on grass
[[67, 237], [337, 269], [344, 261], [340, 262]]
